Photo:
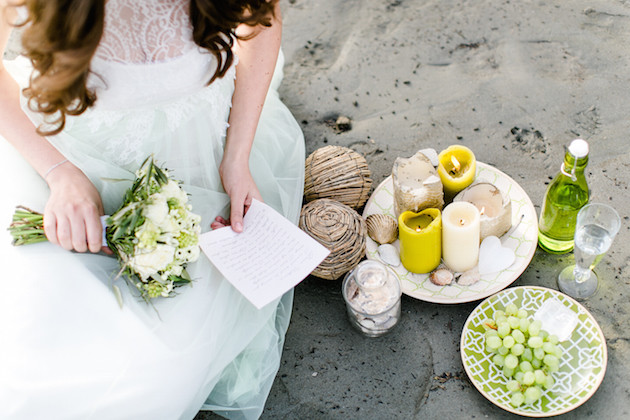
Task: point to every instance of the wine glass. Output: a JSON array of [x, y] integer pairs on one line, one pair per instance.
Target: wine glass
[[596, 227]]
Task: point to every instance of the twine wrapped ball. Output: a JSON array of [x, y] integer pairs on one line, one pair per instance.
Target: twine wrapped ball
[[338, 173], [340, 229]]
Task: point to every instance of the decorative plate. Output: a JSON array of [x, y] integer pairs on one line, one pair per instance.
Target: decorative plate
[[582, 366], [522, 240]]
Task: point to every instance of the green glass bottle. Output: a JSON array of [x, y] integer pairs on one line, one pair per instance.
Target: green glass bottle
[[566, 195]]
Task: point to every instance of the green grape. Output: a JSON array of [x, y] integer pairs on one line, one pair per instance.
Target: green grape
[[518, 335], [494, 342], [489, 325], [498, 313], [521, 348], [517, 349], [513, 385], [534, 328], [536, 363], [514, 322], [549, 382], [517, 399], [526, 366], [529, 378], [535, 342], [524, 325], [491, 333], [532, 394], [503, 329], [549, 348], [511, 309], [541, 378], [551, 362], [498, 360], [508, 342], [511, 361]]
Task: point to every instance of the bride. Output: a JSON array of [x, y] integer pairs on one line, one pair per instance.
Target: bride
[[101, 85]]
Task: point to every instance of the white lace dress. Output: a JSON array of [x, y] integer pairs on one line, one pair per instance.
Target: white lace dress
[[67, 350]]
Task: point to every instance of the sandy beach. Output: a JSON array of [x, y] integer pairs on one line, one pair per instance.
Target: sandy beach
[[514, 81]]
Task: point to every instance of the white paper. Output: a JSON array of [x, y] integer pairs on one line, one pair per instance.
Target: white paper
[[268, 258]]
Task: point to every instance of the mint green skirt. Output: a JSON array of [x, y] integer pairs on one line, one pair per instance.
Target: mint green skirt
[[68, 350]]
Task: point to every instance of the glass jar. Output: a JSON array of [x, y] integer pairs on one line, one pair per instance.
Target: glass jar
[[372, 293]]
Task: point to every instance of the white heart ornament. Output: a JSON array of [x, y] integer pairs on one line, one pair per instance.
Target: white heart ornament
[[493, 256]]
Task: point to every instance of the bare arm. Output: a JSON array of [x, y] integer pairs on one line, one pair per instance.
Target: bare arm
[[257, 60], [71, 213]]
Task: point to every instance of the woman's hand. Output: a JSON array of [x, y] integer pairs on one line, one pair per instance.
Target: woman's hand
[[240, 186], [72, 213]]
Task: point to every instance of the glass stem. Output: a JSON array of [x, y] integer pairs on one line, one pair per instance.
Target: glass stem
[[581, 274]]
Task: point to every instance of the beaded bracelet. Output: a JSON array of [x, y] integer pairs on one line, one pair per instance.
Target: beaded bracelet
[[52, 168]]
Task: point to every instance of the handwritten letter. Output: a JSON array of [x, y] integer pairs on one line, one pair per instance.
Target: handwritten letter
[[267, 259]]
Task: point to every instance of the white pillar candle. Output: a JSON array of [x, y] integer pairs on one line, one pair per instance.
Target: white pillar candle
[[460, 236]]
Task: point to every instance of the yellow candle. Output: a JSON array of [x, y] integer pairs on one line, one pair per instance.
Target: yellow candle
[[457, 168], [460, 236], [420, 237]]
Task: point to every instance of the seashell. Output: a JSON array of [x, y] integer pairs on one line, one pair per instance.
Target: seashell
[[494, 206], [389, 254], [470, 277], [382, 228], [441, 276], [417, 185]]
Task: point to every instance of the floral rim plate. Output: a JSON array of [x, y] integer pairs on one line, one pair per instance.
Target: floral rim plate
[[523, 240], [582, 366]]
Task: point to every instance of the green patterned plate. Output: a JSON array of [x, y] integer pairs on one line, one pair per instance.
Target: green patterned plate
[[523, 241], [582, 366]]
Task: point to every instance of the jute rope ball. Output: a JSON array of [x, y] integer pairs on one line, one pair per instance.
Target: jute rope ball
[[340, 229], [338, 173]]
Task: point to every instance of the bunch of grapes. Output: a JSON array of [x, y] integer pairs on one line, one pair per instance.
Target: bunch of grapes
[[526, 354]]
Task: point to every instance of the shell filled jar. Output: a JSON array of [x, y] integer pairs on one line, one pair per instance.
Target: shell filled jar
[[372, 293]]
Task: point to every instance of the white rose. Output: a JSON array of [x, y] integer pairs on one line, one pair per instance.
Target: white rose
[[148, 264], [157, 211], [173, 190], [169, 224]]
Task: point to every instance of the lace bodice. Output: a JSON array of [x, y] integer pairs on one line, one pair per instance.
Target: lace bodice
[[147, 54], [143, 32], [147, 70]]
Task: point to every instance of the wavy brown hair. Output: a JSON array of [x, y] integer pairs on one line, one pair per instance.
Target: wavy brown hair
[[60, 38]]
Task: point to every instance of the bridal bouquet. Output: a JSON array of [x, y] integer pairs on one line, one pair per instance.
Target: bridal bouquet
[[154, 234]]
